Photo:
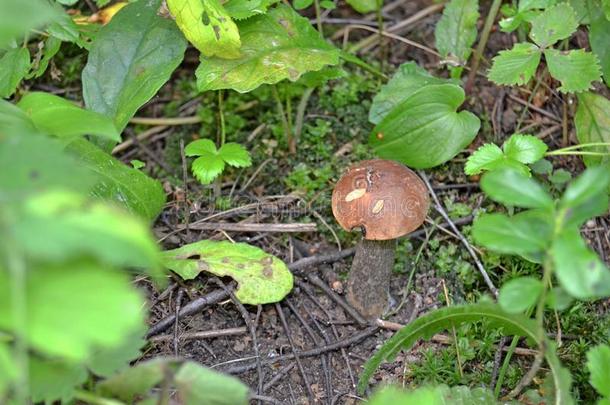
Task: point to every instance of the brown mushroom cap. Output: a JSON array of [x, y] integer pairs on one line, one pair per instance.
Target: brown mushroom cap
[[382, 197]]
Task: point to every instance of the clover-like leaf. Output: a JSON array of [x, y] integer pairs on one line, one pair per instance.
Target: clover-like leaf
[[515, 66], [575, 69], [235, 155], [456, 31], [407, 80], [242, 9], [207, 167], [275, 46], [592, 121], [208, 26], [425, 130], [484, 158], [62, 118], [555, 23], [524, 148], [262, 278], [14, 65], [200, 147]]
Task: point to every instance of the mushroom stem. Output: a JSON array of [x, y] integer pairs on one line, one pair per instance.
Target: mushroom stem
[[368, 282]]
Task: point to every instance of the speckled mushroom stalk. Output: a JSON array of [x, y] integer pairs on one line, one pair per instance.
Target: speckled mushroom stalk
[[385, 200]]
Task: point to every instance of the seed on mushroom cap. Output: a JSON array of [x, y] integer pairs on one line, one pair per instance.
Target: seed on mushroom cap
[[382, 197], [385, 200]]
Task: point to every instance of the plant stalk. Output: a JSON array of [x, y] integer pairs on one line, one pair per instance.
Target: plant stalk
[[292, 148]]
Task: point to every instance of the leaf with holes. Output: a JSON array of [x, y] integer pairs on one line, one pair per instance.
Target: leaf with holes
[[425, 130], [208, 26], [592, 121], [262, 278], [275, 46]]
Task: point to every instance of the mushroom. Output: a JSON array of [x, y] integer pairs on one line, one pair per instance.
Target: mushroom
[[385, 200]]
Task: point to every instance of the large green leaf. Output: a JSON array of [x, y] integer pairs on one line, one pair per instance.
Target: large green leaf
[[425, 130], [130, 59], [579, 270], [275, 46], [598, 363], [107, 361], [54, 380], [119, 182], [592, 121], [438, 320], [515, 66], [74, 307], [407, 80], [526, 234], [456, 31], [59, 225], [198, 385], [8, 368], [60, 117], [17, 17], [576, 69], [14, 65], [590, 185], [208, 26], [555, 23], [262, 278], [511, 187], [599, 38], [242, 9]]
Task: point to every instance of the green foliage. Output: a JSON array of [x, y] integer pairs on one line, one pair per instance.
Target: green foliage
[[519, 294], [14, 65], [511, 187], [456, 31], [130, 59], [599, 37], [526, 11], [280, 39], [518, 151], [592, 121], [421, 127], [242, 9], [364, 6], [60, 117], [17, 17], [210, 162], [427, 325], [598, 363], [208, 26], [575, 69], [391, 395], [262, 278]]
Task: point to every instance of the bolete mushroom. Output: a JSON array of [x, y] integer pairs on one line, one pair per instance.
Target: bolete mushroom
[[385, 200]]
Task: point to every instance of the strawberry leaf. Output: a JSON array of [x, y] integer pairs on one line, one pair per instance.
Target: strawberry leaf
[[515, 66]]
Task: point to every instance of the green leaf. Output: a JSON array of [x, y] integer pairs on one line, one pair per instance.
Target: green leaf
[[200, 147], [51, 47], [364, 6], [106, 362], [599, 38], [137, 164], [60, 117], [560, 176], [555, 23], [301, 4], [524, 148], [519, 294], [526, 234], [438, 320], [515, 66], [592, 121], [390, 395], [511, 187], [575, 69], [407, 80], [119, 182], [456, 31], [242, 9], [425, 130], [275, 46], [58, 225], [14, 65], [598, 363], [579, 270], [262, 278], [54, 380], [207, 25], [65, 29], [235, 155], [465, 395], [484, 158], [130, 59], [102, 317], [8, 368], [198, 385], [319, 77], [17, 17], [137, 380], [585, 197], [207, 167]]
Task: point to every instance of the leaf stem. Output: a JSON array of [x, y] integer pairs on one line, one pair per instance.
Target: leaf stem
[[91, 398], [478, 53], [576, 153], [582, 145], [316, 4], [221, 117], [287, 130]]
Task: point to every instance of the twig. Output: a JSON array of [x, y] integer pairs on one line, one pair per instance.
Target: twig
[[396, 37], [173, 121], [187, 214], [315, 280], [464, 241], [252, 227], [534, 108], [527, 378], [140, 137], [177, 314], [283, 371], [497, 361], [206, 334]]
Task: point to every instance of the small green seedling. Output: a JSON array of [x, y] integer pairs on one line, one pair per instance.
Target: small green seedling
[[211, 161]]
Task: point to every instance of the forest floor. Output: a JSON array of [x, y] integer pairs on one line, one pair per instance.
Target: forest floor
[[310, 348]]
